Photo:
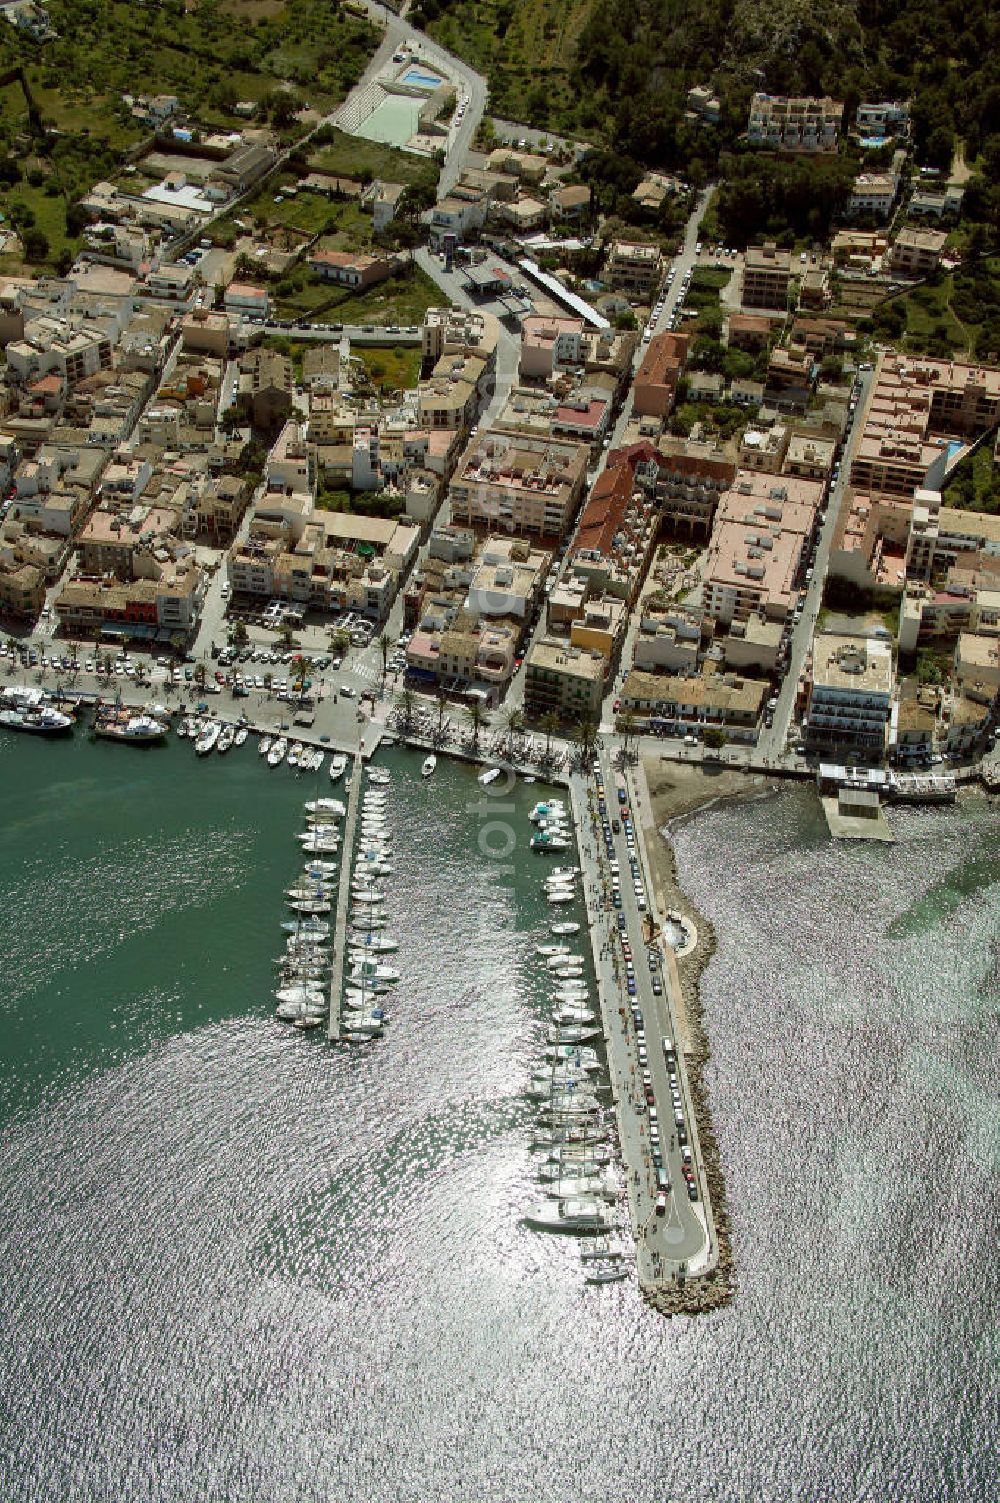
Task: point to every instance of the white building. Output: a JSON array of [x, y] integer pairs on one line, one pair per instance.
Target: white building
[[851, 694]]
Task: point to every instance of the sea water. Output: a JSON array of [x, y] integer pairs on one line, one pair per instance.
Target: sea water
[[242, 1264]]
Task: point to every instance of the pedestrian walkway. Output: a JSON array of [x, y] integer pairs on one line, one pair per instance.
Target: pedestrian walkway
[[344, 901]]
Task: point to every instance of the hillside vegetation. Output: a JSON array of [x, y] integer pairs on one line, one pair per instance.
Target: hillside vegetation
[[619, 71]]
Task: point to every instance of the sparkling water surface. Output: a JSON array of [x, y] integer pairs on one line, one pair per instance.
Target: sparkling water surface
[[243, 1265]]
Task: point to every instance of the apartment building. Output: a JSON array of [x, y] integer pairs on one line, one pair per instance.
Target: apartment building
[[794, 124], [881, 118], [872, 196], [245, 297], [549, 345], [655, 389], [917, 252], [686, 479], [678, 705], [850, 696], [767, 274], [760, 538], [459, 331], [634, 268], [915, 407], [563, 681], [519, 485], [52, 344]]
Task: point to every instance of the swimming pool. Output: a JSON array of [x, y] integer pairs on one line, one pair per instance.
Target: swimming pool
[[417, 78]]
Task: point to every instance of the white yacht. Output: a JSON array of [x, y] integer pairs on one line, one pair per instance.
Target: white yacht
[[490, 776], [314, 929], [240, 738], [277, 752], [561, 895], [330, 806], [378, 777], [319, 868], [581, 1214], [570, 1013], [568, 928], [338, 766], [263, 746], [226, 738], [294, 752], [206, 741], [429, 765]]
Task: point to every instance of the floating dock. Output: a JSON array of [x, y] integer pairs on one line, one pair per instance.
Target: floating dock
[[344, 900]]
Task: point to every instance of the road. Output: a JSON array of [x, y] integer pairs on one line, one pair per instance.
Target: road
[[773, 741], [471, 86], [680, 1234]]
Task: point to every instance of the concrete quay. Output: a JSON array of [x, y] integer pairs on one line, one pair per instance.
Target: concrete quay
[[680, 1266], [333, 1030]]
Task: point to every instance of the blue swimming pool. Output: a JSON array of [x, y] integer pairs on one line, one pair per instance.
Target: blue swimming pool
[[418, 78]]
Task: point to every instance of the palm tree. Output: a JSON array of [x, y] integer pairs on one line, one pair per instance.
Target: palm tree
[[442, 702], [513, 724], [407, 704], [627, 726], [240, 634], [584, 736], [286, 635], [550, 724], [385, 642], [341, 641], [475, 717]]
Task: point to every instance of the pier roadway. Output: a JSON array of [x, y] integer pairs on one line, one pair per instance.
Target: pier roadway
[[344, 900], [679, 1236]]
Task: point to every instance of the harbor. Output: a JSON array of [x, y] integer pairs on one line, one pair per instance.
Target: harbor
[[313, 1192]]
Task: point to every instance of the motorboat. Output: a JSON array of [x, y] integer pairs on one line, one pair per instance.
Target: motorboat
[[608, 1273], [545, 842], [367, 918], [561, 957], [38, 720], [306, 991], [301, 1014], [124, 725], [226, 738], [378, 777], [561, 895], [379, 944], [294, 752], [331, 807], [319, 845], [573, 1054], [550, 950], [309, 905], [568, 928], [582, 1214], [603, 1185], [428, 766], [240, 739], [338, 765], [207, 740], [490, 776], [320, 868], [315, 929], [277, 752], [263, 746], [546, 809], [570, 873], [365, 968], [568, 1013]]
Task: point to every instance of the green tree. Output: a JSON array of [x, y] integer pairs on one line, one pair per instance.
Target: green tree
[[475, 717], [36, 245], [715, 737], [513, 724], [550, 725], [407, 704]]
